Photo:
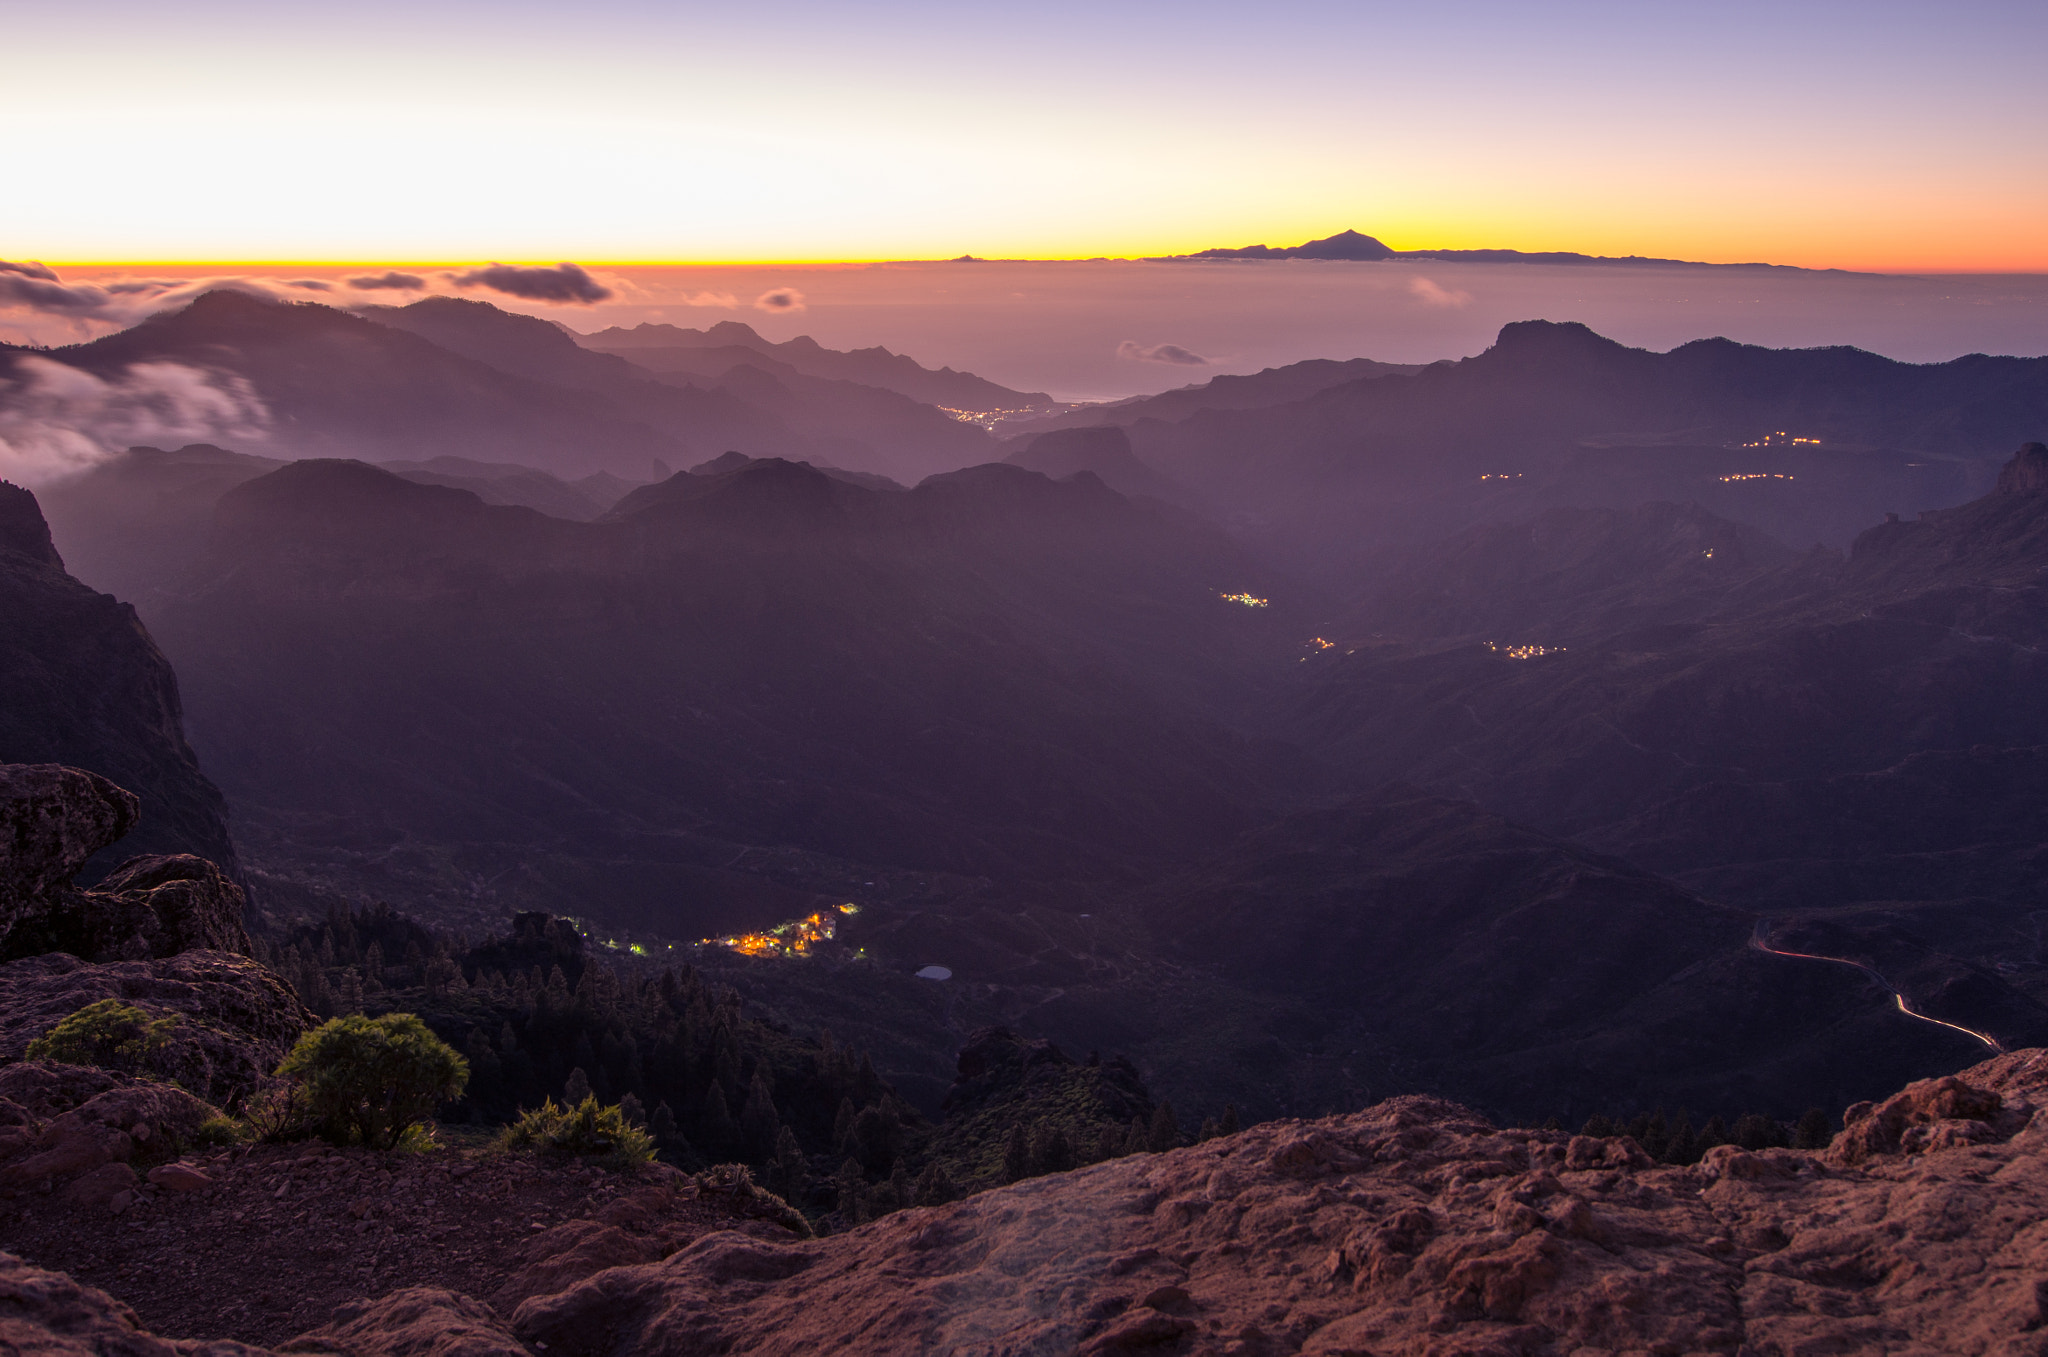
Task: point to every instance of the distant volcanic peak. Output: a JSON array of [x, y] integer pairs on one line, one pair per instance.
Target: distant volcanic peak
[[1344, 245], [2026, 473]]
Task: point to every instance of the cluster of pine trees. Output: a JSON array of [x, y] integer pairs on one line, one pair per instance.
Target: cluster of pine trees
[[538, 1017], [1673, 1140]]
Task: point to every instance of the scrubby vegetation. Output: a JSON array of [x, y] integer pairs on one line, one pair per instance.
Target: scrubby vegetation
[[586, 1130], [114, 1036], [372, 1080]]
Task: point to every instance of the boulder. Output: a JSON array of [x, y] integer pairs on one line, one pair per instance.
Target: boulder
[[1930, 1114], [52, 819]]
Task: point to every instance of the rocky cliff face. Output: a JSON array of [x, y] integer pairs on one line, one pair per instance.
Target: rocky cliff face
[[82, 684], [1412, 1227]]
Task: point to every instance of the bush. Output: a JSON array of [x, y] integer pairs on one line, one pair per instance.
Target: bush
[[220, 1132], [586, 1131], [374, 1080], [109, 1034]]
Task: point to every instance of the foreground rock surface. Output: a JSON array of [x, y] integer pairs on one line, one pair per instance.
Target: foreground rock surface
[[1414, 1227]]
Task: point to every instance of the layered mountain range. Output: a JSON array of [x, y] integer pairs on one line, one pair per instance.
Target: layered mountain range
[[1488, 729]]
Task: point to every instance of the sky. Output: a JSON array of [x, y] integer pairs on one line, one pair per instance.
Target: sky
[[1866, 136]]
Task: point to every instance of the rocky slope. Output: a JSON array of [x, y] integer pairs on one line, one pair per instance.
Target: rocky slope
[[1413, 1227]]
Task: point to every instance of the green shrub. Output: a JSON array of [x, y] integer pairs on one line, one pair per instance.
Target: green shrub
[[220, 1132], [109, 1034], [374, 1079], [585, 1131]]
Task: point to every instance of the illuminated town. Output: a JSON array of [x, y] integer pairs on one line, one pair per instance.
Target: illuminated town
[[1318, 643], [1758, 476], [1780, 439], [1248, 600], [795, 938], [989, 419], [1502, 476], [1523, 652]]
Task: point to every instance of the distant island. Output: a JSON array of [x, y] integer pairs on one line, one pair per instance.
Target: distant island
[[1355, 245]]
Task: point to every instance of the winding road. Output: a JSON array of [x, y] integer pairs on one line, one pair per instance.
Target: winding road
[[1760, 940]]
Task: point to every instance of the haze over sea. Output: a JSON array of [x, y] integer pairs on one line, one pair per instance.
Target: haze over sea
[[1059, 326]]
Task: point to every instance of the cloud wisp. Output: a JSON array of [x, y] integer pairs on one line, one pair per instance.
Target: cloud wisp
[[1160, 353], [777, 300], [57, 420], [563, 283], [1430, 294]]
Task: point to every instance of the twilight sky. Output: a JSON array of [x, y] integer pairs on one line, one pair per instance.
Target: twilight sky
[[1874, 136]]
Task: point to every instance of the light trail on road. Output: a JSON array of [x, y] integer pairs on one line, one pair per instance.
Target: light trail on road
[[1760, 940]]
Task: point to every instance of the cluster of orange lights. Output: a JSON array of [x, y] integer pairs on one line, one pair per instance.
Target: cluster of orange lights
[[1523, 652], [1318, 643], [1757, 476], [1781, 439], [1502, 476], [1248, 600], [799, 937], [988, 419]]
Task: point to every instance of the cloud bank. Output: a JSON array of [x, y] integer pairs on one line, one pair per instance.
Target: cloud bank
[[390, 280], [780, 299], [563, 283], [57, 420], [1160, 353]]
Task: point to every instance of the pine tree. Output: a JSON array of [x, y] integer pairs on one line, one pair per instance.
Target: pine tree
[[1679, 1146], [851, 1192], [717, 1129], [842, 1128], [791, 1170], [1016, 1155], [934, 1188], [577, 1088], [663, 1124], [758, 1120], [1228, 1126], [1814, 1132], [1715, 1132], [1754, 1131], [633, 1110], [1164, 1133], [1597, 1125]]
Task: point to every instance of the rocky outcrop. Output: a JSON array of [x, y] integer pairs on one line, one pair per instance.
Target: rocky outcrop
[[1412, 1227], [55, 818], [236, 1018], [2026, 473]]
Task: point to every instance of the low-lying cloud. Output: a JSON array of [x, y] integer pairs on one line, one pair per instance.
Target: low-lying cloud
[[389, 281], [780, 299], [1160, 353], [57, 420], [29, 267], [1430, 294], [564, 282]]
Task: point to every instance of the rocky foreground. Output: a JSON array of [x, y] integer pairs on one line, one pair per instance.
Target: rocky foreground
[[1413, 1227]]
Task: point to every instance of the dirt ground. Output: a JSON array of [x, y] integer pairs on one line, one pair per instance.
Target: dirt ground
[[283, 1234]]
